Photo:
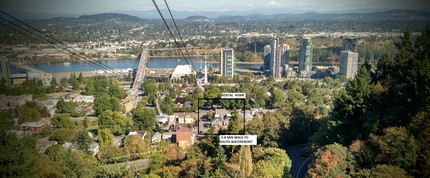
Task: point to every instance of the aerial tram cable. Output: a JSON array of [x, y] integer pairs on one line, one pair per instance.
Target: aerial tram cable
[[171, 34], [79, 53], [57, 46], [179, 33]]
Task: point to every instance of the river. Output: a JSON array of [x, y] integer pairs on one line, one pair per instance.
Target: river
[[156, 62]]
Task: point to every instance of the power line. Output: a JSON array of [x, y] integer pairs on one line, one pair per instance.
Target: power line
[[179, 32], [170, 32], [64, 46]]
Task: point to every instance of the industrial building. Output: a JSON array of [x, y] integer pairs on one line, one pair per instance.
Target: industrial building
[[181, 71]]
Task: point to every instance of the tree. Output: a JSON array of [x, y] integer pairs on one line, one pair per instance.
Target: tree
[[129, 77], [63, 135], [396, 147], [150, 87], [259, 96], [105, 102], [388, 171], [220, 159], [134, 144], [210, 115], [349, 112], [62, 121], [245, 161], [332, 160], [29, 115], [278, 99], [105, 136], [117, 91], [234, 126], [90, 88], [212, 92], [65, 107], [143, 118], [84, 140], [115, 121], [85, 122], [80, 78], [270, 162]]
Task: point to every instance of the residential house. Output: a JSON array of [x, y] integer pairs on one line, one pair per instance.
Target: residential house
[[184, 138], [167, 135], [185, 118], [156, 138], [42, 144], [140, 134], [32, 126], [84, 99]]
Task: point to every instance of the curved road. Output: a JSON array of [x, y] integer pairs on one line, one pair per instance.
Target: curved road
[[300, 163]]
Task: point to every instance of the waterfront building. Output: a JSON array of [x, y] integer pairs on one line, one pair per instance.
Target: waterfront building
[[278, 58], [305, 56], [227, 67], [350, 44], [348, 63], [266, 57]]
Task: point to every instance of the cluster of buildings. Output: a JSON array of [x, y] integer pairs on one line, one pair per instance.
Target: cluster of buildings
[[276, 59]]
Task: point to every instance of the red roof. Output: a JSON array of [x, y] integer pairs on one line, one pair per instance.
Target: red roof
[[183, 134]]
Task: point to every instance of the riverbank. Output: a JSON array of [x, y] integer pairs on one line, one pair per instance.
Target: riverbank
[[59, 75]]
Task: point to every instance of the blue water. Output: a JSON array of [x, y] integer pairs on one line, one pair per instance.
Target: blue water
[[165, 62]]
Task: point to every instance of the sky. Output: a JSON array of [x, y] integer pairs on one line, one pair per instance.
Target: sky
[[91, 6]]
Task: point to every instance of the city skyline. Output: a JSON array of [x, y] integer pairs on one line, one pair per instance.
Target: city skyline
[[256, 6]]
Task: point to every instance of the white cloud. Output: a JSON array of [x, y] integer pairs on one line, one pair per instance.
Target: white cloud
[[273, 3]]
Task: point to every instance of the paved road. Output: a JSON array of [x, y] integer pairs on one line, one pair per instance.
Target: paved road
[[300, 163]]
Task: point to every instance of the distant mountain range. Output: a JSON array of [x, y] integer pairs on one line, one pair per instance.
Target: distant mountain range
[[399, 15], [402, 15]]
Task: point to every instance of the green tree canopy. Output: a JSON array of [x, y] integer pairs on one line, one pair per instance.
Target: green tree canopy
[[115, 121], [62, 121], [143, 118]]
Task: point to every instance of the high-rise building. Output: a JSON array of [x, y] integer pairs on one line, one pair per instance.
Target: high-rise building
[[274, 57], [285, 54], [266, 57], [5, 70], [278, 58], [305, 55], [348, 64], [350, 44], [227, 63]]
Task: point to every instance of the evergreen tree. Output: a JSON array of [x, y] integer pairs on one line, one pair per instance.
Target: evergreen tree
[[245, 161]]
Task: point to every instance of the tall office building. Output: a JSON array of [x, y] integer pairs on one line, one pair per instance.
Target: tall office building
[[348, 63], [4, 70], [266, 57], [350, 44], [227, 63], [305, 55]]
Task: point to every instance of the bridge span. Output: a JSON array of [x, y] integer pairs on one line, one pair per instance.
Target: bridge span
[[133, 94]]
